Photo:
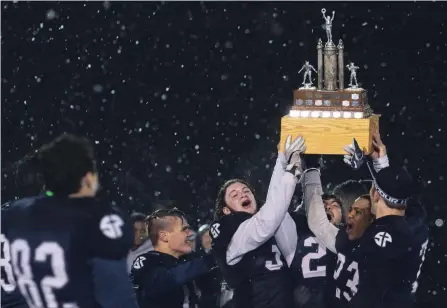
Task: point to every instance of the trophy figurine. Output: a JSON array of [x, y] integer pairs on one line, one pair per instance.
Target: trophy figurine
[[329, 116], [328, 21], [307, 73], [353, 78]]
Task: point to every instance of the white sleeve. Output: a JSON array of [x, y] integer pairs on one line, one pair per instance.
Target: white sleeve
[[255, 231], [317, 220], [381, 163], [287, 238], [278, 171]]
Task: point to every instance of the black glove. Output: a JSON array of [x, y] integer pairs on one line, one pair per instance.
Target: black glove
[[355, 157]]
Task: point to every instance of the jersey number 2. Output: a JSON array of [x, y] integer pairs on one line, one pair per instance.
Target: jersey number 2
[[320, 271], [21, 261]]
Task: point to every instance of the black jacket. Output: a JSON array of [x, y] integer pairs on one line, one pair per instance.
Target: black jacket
[[160, 279]]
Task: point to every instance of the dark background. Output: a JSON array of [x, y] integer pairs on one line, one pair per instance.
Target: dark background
[[179, 97]]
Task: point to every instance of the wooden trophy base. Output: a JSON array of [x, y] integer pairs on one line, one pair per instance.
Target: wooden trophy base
[[328, 135]]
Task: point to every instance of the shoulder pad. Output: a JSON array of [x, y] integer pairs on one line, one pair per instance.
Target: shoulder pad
[[223, 230], [111, 235]]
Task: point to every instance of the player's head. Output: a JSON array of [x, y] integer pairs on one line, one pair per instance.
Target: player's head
[[347, 192], [169, 232], [139, 228], [333, 208], [235, 196], [205, 237], [359, 217], [391, 189], [68, 166], [28, 179]]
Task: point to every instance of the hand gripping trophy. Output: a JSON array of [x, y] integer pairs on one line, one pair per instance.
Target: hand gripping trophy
[[328, 20], [308, 72], [353, 69]]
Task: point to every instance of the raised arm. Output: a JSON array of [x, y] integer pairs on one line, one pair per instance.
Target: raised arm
[[355, 157], [255, 231], [325, 232], [285, 236]]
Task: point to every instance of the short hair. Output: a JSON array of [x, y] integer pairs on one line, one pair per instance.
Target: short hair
[[28, 180], [349, 191], [157, 222], [64, 162], [137, 217], [220, 199], [365, 197], [326, 197]]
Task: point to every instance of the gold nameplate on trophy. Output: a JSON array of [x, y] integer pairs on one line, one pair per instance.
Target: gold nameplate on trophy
[[330, 116]]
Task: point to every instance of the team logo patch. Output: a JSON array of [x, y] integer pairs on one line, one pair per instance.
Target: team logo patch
[[111, 226], [382, 239], [139, 262], [215, 230]]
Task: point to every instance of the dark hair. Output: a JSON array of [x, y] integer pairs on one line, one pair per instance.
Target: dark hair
[[366, 197], [27, 178], [64, 162], [220, 200], [157, 221], [326, 197], [137, 217], [349, 191]]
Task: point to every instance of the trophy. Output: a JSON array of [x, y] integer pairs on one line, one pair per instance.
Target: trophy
[[329, 116]]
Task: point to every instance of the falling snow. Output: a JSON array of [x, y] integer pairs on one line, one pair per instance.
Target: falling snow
[[179, 97]]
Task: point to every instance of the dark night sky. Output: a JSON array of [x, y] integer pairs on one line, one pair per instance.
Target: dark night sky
[[179, 97]]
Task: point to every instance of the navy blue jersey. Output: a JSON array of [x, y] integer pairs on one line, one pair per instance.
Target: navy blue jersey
[[380, 269], [53, 243], [311, 265], [10, 294], [261, 278]]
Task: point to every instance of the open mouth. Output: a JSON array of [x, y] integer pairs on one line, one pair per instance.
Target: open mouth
[[329, 216], [246, 203], [349, 227]]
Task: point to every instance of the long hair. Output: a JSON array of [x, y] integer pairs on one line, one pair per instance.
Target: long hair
[[220, 200]]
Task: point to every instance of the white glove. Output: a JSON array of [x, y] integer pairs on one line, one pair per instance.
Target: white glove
[[292, 153]]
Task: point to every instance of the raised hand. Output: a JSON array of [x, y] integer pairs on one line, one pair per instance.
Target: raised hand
[[355, 157], [291, 147], [379, 149], [292, 153], [379, 156]]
